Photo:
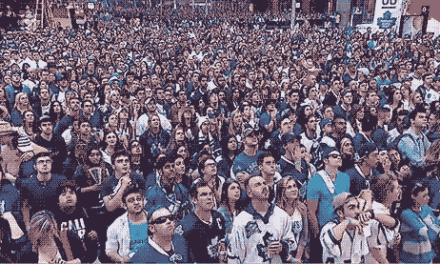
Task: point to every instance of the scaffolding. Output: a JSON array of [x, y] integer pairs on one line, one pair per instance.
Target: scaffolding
[[43, 13]]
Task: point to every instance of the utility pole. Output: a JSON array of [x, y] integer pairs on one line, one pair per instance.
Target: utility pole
[[425, 14], [293, 16]]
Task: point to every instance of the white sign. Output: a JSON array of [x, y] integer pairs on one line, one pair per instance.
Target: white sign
[[388, 14], [363, 28], [91, 6]]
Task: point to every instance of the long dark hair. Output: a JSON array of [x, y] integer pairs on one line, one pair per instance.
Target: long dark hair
[[224, 199], [224, 145], [411, 189], [118, 146], [34, 125], [174, 145], [88, 165], [52, 113]]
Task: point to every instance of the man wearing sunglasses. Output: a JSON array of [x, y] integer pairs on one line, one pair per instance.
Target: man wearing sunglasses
[[129, 231], [321, 190], [165, 243]]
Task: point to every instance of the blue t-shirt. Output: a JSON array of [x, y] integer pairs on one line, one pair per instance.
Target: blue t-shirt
[[138, 236], [318, 191], [246, 163]]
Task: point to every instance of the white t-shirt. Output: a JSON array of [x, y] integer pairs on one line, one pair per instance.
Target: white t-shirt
[[296, 223]]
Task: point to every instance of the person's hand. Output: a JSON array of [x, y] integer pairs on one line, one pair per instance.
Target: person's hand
[[355, 223], [367, 195], [126, 181], [364, 217], [63, 232], [274, 248], [27, 156], [93, 235], [8, 215], [223, 256], [405, 171], [297, 154], [96, 187]]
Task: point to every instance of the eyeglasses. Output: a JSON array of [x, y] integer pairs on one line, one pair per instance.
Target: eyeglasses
[[212, 165], [163, 219]]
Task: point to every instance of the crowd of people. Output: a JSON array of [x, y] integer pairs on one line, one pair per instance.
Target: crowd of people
[[194, 136]]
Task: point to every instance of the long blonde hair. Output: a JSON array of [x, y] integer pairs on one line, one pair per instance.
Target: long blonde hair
[[42, 223], [282, 185], [17, 101]]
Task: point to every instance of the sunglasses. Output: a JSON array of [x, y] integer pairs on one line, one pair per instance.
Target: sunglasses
[[163, 219]]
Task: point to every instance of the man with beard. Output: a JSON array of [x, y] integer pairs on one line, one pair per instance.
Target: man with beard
[[164, 243], [261, 233], [343, 239], [204, 229], [166, 191], [129, 231]]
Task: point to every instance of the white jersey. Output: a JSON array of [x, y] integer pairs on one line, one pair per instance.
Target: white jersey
[[251, 233], [381, 237], [352, 247]]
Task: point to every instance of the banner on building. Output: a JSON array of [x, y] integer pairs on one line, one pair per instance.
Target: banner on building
[[388, 14]]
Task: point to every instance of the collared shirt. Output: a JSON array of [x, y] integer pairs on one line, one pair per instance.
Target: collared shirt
[[413, 147]]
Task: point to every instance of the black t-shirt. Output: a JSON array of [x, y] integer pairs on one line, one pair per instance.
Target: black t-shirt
[[41, 195], [203, 238], [78, 224]]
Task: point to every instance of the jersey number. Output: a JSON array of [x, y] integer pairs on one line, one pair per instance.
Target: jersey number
[[389, 2]]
